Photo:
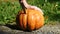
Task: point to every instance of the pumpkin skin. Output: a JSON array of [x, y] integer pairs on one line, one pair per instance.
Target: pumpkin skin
[[31, 20]]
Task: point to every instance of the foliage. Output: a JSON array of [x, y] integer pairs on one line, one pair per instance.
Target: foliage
[[9, 10]]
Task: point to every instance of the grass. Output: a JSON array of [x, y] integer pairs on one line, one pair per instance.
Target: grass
[[10, 8]]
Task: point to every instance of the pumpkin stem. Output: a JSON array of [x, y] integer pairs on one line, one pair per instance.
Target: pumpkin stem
[[23, 7]]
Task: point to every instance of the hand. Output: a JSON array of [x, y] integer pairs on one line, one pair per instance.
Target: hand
[[20, 1]]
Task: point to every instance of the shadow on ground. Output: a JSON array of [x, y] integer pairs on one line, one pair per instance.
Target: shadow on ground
[[1, 32], [15, 27]]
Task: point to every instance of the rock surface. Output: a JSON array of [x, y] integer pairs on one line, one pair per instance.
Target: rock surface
[[46, 29]]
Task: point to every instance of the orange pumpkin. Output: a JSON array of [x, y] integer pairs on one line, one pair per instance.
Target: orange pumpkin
[[31, 20]]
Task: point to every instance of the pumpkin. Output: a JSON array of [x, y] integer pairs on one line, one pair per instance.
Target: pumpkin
[[31, 20]]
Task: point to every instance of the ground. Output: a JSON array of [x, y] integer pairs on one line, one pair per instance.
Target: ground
[[46, 29]]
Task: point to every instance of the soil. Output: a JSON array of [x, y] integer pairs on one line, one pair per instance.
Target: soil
[[46, 29]]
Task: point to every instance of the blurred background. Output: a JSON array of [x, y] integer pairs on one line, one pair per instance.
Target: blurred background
[[10, 8]]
